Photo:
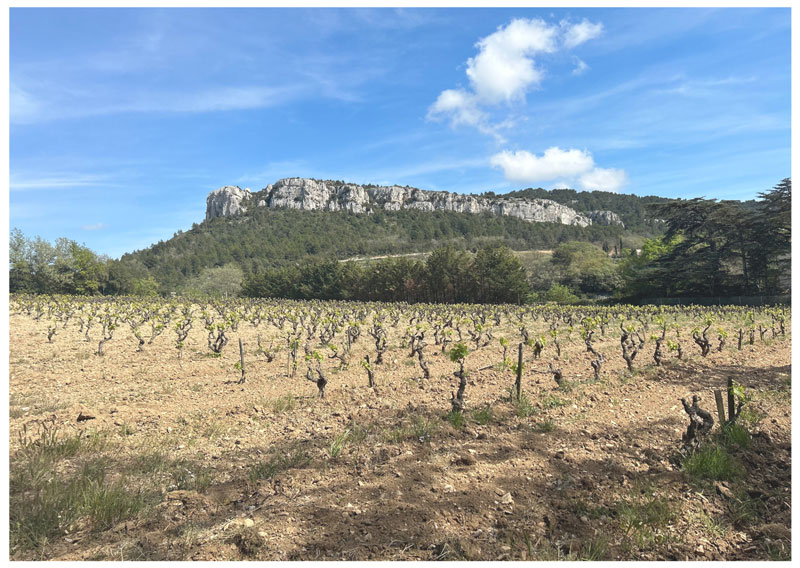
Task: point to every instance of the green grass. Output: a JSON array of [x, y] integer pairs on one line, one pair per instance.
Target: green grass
[[643, 517], [420, 428], [595, 549], [285, 403], [712, 462], [186, 475], [523, 407], [545, 426], [293, 459], [735, 435], [182, 473], [46, 498], [483, 416], [553, 401], [456, 419], [339, 443]]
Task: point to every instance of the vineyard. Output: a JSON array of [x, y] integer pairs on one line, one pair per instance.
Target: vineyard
[[284, 430]]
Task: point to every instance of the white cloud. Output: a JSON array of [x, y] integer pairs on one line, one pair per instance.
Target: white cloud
[[26, 109], [23, 108], [95, 227], [602, 179], [571, 168], [459, 105], [577, 34], [522, 166], [504, 68], [580, 66], [22, 183]]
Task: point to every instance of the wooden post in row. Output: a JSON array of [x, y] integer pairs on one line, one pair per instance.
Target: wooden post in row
[[518, 384], [732, 414], [241, 360], [720, 406]]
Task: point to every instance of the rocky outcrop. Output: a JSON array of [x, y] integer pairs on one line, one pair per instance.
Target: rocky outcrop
[[310, 194], [226, 201], [605, 218]]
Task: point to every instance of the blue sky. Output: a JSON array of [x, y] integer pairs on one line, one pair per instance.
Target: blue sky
[[122, 120]]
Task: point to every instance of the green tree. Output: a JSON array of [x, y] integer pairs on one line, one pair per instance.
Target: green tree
[[499, 276], [585, 267], [220, 281], [447, 275]]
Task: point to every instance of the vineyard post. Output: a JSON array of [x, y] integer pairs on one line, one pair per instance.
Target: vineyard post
[[519, 372], [241, 360], [731, 401], [720, 406]]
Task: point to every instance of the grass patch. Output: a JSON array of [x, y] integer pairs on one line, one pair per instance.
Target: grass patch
[[293, 459], [187, 475], [545, 426], [735, 435], [566, 386], [455, 418], [213, 430], [553, 401], [483, 416], [750, 416], [285, 403], [522, 406], [420, 428], [595, 549], [46, 498], [712, 462], [582, 509], [338, 444], [642, 519], [181, 473], [745, 510]]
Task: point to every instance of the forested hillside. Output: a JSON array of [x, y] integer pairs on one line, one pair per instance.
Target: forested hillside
[[697, 247], [274, 238], [632, 209]]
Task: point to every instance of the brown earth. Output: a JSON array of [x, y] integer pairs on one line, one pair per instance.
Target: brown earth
[[593, 471]]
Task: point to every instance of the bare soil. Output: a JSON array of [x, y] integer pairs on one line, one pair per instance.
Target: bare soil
[[576, 478]]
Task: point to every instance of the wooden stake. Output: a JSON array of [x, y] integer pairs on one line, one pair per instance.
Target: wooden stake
[[519, 372], [241, 360], [720, 406], [731, 402]]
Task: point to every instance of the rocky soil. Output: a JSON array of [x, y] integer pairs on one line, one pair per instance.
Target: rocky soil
[[267, 471]]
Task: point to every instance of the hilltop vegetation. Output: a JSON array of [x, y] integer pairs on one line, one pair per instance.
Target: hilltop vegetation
[[704, 248]]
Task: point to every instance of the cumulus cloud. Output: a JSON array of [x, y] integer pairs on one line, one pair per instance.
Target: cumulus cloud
[[505, 69], [572, 168], [522, 166], [576, 34], [602, 179], [459, 105]]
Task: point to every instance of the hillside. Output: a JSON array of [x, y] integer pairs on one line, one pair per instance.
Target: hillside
[[272, 238], [299, 220], [630, 208]]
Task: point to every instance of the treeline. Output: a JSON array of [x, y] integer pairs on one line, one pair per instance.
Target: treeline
[[492, 275], [266, 239], [66, 267], [710, 248], [717, 248], [632, 209]]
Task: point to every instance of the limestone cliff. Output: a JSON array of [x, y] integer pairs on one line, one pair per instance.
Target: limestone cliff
[[310, 194]]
